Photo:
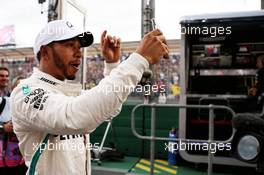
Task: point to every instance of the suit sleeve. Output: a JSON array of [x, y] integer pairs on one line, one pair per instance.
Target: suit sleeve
[[108, 67]]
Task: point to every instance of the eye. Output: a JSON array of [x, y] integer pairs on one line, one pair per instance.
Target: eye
[[70, 44]]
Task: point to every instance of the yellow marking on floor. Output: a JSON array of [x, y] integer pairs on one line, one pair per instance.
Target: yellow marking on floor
[[169, 170], [145, 168], [164, 163]]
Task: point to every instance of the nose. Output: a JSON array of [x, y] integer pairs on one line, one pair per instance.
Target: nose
[[78, 53], [77, 49]]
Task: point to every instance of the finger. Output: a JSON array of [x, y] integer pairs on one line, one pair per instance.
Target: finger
[[156, 32], [162, 39], [110, 39], [166, 56], [118, 42], [164, 42], [166, 51], [114, 41], [103, 36]]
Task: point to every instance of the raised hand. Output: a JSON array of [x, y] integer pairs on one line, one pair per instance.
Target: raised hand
[[153, 46], [110, 48]]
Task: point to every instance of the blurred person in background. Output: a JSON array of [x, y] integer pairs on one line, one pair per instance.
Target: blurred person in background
[[258, 88], [4, 80], [257, 91], [11, 160]]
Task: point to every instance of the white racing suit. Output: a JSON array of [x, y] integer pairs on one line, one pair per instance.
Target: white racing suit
[[42, 105]]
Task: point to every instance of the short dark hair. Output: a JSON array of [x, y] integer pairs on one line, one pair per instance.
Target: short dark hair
[[4, 68], [38, 56]]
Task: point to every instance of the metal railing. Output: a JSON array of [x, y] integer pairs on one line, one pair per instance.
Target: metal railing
[[153, 137]]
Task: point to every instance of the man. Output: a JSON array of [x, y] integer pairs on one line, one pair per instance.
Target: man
[[4, 102], [48, 111], [4, 79]]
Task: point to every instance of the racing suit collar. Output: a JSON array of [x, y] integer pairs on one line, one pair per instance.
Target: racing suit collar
[[68, 87]]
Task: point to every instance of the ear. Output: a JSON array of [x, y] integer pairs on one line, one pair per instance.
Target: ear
[[45, 52]]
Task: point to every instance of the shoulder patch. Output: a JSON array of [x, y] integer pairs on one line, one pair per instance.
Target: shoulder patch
[[36, 98], [25, 89]]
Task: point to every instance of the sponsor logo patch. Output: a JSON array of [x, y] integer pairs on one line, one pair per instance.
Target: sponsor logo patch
[[25, 89], [36, 99], [48, 81]]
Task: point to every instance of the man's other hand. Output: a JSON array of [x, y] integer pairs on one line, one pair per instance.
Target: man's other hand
[[153, 46]]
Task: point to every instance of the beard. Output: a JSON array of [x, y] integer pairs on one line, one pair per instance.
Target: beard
[[58, 61]]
